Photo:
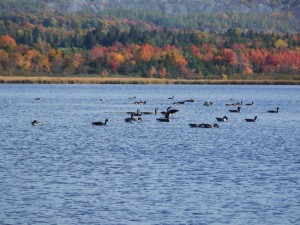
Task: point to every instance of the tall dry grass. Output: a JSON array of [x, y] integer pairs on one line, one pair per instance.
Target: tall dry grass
[[118, 80]]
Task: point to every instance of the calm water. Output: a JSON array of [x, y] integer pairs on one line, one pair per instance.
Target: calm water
[[68, 171]]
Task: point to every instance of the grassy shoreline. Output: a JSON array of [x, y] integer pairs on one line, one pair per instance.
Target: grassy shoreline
[[121, 80]]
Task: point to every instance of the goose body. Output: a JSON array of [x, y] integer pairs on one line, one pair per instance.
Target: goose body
[[222, 119], [137, 113], [179, 103], [207, 125], [235, 110], [273, 111], [209, 103], [99, 123], [140, 103], [190, 100], [164, 119], [132, 119], [36, 123], [251, 120], [170, 111], [249, 103], [194, 125]]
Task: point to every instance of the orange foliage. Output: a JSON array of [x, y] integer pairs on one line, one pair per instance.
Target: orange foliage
[[7, 42]]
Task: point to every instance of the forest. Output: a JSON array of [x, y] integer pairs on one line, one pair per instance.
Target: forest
[[58, 44]]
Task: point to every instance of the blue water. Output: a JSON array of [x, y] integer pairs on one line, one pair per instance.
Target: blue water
[[67, 171]]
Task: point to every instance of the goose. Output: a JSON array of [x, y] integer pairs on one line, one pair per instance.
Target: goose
[[172, 97], [222, 119], [131, 119], [251, 120], [207, 125], [235, 110], [190, 100], [249, 103], [38, 99], [194, 125], [151, 113], [140, 102], [234, 104], [137, 113], [99, 123], [164, 119], [179, 103], [170, 111], [36, 123], [273, 111], [209, 103], [132, 97]]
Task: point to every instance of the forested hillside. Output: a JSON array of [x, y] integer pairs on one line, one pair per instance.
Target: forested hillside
[[53, 42], [209, 15]]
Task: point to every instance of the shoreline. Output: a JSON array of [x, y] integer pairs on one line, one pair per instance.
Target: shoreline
[[127, 80]]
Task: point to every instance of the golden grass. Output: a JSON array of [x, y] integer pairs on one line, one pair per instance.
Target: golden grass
[[120, 80]]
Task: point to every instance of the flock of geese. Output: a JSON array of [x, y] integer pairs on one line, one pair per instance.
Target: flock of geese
[[136, 116]]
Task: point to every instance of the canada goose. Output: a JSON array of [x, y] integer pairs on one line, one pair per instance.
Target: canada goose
[[172, 97], [170, 111], [209, 103], [140, 102], [38, 99], [132, 97], [164, 119], [249, 103], [194, 125], [222, 119], [179, 103], [99, 123], [234, 104], [190, 100], [137, 113], [235, 110], [132, 119], [151, 113], [206, 125], [251, 120], [36, 123], [273, 111]]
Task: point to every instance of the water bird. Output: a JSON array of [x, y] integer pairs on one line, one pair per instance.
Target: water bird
[[164, 119], [140, 102], [99, 123], [249, 103], [172, 97], [208, 103], [235, 110], [151, 113], [207, 125], [194, 125], [222, 119], [251, 120], [36, 123], [190, 100], [38, 99], [170, 111], [234, 104], [179, 103], [137, 113], [132, 97], [132, 119], [273, 111]]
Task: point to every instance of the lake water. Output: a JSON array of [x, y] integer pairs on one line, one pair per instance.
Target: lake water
[[68, 171]]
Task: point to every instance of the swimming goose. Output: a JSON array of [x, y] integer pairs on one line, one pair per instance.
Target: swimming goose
[[36, 123], [137, 113], [151, 113], [99, 123], [209, 103], [273, 111], [164, 119], [38, 99], [251, 120], [179, 103], [140, 102], [249, 103], [235, 110], [234, 104], [206, 125], [222, 119], [172, 97], [132, 119], [194, 125], [190, 100]]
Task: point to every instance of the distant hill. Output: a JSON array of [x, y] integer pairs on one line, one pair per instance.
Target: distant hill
[[211, 15]]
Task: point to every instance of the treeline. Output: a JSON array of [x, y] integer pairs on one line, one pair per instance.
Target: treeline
[[57, 44]]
